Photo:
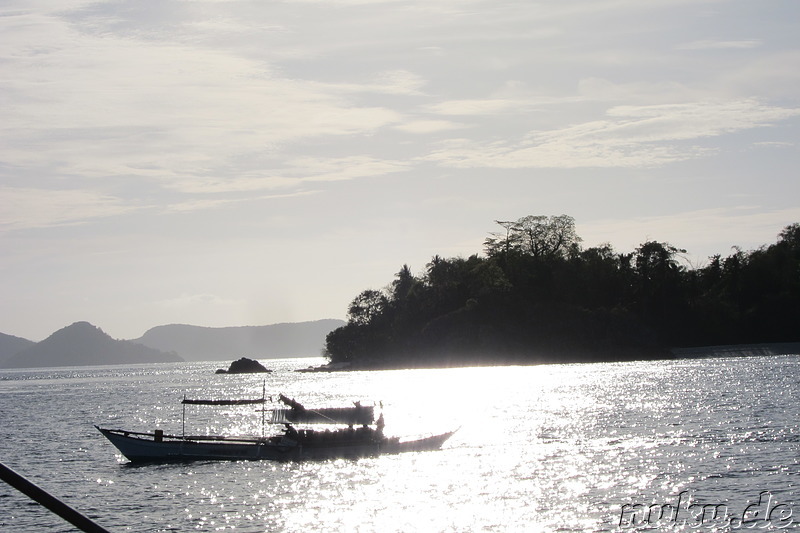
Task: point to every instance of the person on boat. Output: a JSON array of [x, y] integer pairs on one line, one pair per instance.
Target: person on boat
[[292, 403], [379, 424], [290, 432]]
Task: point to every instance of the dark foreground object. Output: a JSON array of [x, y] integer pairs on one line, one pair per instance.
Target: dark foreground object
[[293, 446], [50, 502]]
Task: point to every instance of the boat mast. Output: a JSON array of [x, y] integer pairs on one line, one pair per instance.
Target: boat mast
[[263, 409], [183, 423]]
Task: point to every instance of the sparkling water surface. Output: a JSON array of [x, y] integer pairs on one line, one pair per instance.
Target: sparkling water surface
[[583, 447]]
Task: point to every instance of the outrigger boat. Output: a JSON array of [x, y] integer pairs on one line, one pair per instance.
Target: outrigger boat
[[345, 441]]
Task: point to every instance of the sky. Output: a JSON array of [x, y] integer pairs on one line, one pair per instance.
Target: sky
[[230, 163]]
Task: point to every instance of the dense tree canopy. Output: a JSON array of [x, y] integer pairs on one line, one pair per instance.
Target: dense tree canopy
[[537, 296]]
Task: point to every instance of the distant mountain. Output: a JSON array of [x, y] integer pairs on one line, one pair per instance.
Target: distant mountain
[[196, 343], [11, 346], [84, 344]]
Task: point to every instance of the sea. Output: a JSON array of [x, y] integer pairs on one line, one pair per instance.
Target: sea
[[680, 445]]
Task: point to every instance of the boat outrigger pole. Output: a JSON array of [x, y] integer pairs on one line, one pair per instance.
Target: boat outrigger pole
[[53, 504]]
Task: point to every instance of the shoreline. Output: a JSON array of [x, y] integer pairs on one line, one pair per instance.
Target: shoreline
[[737, 350], [696, 352]]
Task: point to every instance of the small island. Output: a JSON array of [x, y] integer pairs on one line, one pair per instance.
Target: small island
[[328, 367], [537, 296], [244, 366]]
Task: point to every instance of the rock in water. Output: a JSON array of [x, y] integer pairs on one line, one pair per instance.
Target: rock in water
[[244, 366]]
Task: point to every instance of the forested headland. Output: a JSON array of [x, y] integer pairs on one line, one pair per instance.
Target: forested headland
[[535, 295]]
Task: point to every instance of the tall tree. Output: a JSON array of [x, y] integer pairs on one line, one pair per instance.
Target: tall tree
[[402, 286], [366, 307], [535, 235]]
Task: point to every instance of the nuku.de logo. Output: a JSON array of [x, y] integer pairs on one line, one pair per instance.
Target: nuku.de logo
[[767, 512]]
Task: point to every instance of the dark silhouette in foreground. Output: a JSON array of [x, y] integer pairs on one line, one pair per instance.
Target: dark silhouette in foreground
[[50, 502]]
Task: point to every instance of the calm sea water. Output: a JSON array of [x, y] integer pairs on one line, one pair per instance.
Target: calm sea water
[[593, 447]]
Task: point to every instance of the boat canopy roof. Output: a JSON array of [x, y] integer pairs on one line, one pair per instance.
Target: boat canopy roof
[[359, 415], [223, 402], [298, 414]]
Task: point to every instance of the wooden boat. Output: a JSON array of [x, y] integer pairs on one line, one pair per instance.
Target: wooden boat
[[291, 444]]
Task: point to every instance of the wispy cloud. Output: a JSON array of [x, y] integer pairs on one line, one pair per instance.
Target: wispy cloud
[[108, 105], [422, 126], [41, 208], [394, 82], [204, 204], [629, 136], [721, 45], [313, 169], [490, 106], [292, 176]]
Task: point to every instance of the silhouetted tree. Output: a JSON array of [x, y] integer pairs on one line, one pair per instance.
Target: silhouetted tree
[[403, 284], [366, 307], [535, 235]]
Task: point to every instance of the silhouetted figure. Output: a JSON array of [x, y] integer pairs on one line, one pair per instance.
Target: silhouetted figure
[[292, 403], [380, 424]]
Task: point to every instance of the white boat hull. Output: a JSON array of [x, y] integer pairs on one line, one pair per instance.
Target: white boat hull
[[152, 447]]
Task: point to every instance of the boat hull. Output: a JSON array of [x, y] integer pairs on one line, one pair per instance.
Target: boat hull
[[151, 447]]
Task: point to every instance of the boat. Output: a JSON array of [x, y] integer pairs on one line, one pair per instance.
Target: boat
[[345, 440]]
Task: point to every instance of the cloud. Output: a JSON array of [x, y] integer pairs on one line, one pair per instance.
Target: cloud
[[429, 126], [396, 82], [775, 144], [695, 120], [216, 185], [204, 204], [314, 170], [594, 89], [721, 45], [24, 208], [629, 136], [41, 208], [105, 105], [474, 107]]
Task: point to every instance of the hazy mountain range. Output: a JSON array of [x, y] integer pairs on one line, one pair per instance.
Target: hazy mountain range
[[85, 344], [195, 343]]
